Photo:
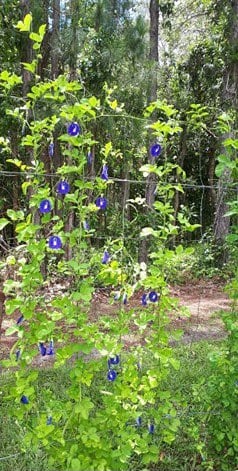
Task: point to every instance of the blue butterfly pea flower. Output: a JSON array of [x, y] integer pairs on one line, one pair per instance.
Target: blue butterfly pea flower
[[138, 421], [101, 202], [20, 320], [50, 350], [18, 354], [151, 428], [106, 257], [51, 149], [55, 242], [144, 300], [63, 187], [153, 296], [24, 399], [155, 150], [74, 129], [104, 173], [114, 360], [42, 349], [45, 206], [111, 375]]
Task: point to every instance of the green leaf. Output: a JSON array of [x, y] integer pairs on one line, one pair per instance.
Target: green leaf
[[147, 231], [83, 408], [15, 215], [3, 223], [42, 30], [107, 149], [18, 163], [35, 37], [31, 66], [231, 143], [11, 330], [148, 168], [25, 186], [75, 465], [25, 25]]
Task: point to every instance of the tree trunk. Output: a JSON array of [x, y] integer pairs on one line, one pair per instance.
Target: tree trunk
[[55, 51], [152, 96], [74, 39], [230, 93]]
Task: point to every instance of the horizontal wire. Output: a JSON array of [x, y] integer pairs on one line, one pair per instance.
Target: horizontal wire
[[122, 180]]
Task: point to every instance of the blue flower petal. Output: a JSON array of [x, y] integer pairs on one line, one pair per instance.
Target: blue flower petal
[[55, 242], [106, 257], [42, 349], [20, 320], [114, 360], [63, 187], [49, 420], [111, 375], [104, 173], [74, 129], [138, 421], [45, 206], [51, 149], [18, 354], [151, 428], [155, 150], [101, 202], [24, 399], [50, 350], [144, 300], [153, 296]]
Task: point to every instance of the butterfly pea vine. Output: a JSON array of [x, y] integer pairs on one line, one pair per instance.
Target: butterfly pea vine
[[135, 413]]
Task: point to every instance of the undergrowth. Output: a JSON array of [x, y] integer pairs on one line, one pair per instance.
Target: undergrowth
[[182, 455]]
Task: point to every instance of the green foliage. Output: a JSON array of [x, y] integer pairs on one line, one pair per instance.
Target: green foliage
[[180, 455], [104, 429], [221, 388]]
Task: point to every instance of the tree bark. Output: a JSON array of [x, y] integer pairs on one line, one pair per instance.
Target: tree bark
[[55, 51], [74, 39]]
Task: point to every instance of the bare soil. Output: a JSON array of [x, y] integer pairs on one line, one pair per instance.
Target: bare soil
[[203, 299]]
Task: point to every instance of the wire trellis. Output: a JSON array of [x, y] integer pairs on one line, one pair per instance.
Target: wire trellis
[[231, 186]]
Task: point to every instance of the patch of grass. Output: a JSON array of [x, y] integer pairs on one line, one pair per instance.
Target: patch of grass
[[180, 456]]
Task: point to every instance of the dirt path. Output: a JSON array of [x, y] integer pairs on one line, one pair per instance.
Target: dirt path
[[204, 299]]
